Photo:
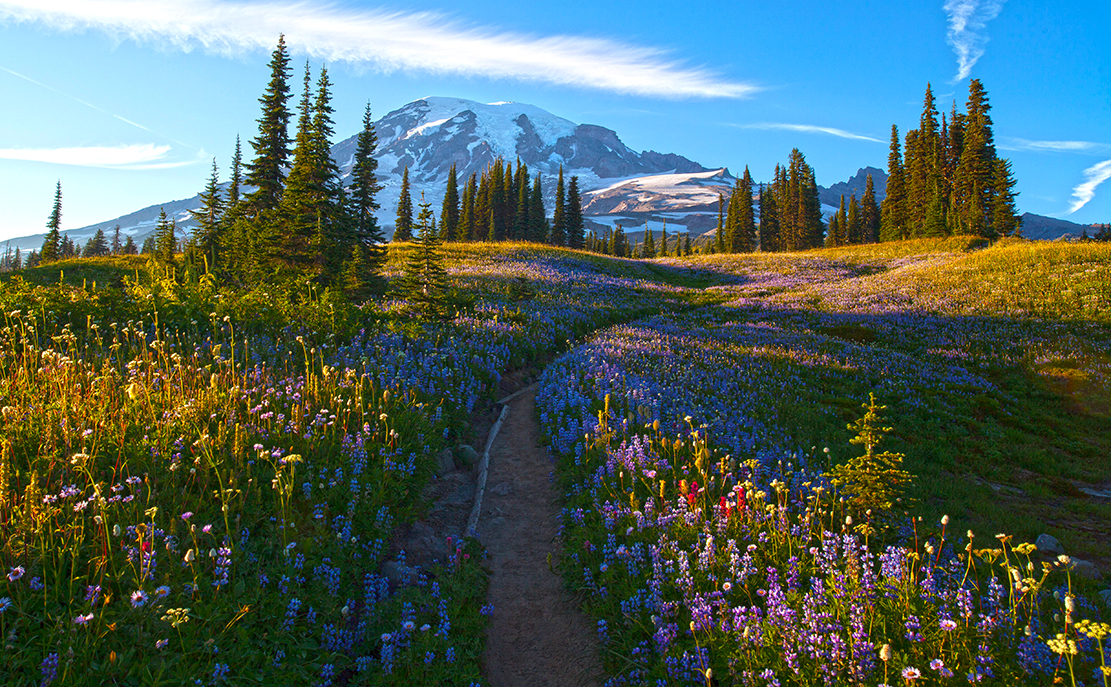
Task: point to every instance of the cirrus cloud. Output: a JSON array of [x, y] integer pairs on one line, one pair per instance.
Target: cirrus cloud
[[138, 156], [967, 21], [385, 41], [808, 129], [1085, 191]]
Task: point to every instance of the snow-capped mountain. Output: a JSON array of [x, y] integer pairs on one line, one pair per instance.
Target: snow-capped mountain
[[618, 184], [427, 136]]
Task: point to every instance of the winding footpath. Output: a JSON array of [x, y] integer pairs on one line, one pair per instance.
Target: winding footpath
[[537, 635]]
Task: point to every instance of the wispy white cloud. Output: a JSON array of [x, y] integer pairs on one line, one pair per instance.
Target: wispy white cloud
[[1094, 176], [138, 156], [384, 40], [967, 21], [808, 129], [1051, 146]]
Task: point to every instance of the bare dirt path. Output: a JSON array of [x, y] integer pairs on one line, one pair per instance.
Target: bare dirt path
[[537, 635]]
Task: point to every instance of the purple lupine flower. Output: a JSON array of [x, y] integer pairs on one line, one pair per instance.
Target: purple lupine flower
[[49, 669]]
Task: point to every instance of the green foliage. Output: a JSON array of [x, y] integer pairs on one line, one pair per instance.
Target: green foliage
[[271, 145], [403, 224], [874, 482], [424, 284]]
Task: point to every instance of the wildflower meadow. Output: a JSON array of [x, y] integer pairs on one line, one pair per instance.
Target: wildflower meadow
[[200, 482]]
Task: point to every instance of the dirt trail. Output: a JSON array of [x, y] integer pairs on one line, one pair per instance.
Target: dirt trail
[[537, 635]]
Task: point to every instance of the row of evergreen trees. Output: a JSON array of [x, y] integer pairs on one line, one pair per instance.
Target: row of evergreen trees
[[299, 219], [946, 178], [500, 204]]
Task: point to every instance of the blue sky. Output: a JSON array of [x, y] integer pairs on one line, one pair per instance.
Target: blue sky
[[127, 101]]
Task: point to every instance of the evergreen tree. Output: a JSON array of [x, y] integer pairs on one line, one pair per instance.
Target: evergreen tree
[[853, 227], [923, 167], [799, 210], [97, 245], [365, 187], [869, 214], [424, 284], [116, 245], [149, 247], [893, 212], [833, 232], [648, 249], [449, 214], [559, 229], [267, 171], [719, 232], [687, 243], [522, 217], [482, 207], [52, 242], [538, 220], [663, 241], [363, 273], [744, 234], [769, 222], [496, 197], [1005, 220], [129, 247], [973, 180], [165, 237], [68, 249], [403, 226], [573, 215], [209, 217], [236, 177], [34, 258], [466, 229]]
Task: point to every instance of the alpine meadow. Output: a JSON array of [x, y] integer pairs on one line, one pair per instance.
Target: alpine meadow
[[481, 396]]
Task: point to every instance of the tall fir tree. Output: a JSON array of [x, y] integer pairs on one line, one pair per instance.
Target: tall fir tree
[[923, 166], [538, 220], [648, 248], [852, 218], [267, 171], [424, 283], [52, 243], [1004, 219], [973, 179], [236, 180], [209, 217], [117, 245], [449, 212], [869, 214], [467, 211], [522, 217], [403, 225], [769, 221], [663, 241], [833, 231], [744, 235], [559, 228], [363, 275], [165, 237], [893, 211], [718, 241], [573, 215]]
